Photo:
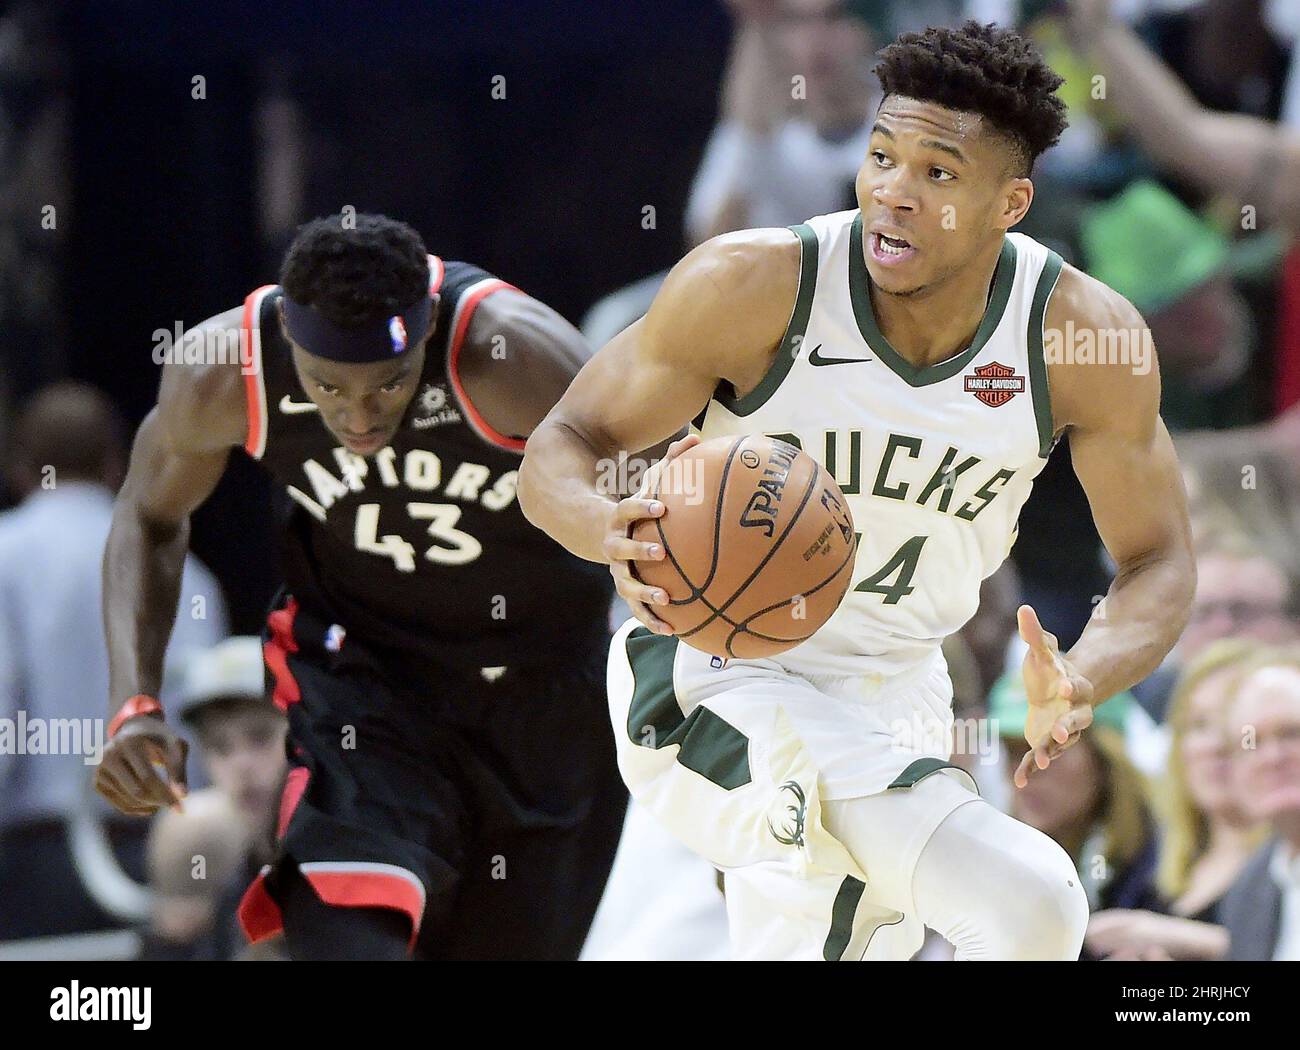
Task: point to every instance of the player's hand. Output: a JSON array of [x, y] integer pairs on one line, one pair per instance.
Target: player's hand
[[620, 549], [1060, 698], [143, 768]]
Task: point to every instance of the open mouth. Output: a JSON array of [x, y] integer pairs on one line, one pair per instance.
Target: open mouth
[[371, 441], [888, 250]]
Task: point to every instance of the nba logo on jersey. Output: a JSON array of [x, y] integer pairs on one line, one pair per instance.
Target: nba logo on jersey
[[334, 637], [397, 331]]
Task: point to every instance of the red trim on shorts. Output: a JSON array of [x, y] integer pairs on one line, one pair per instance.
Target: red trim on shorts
[[467, 307], [369, 889], [253, 380], [276, 653], [294, 786], [259, 915]]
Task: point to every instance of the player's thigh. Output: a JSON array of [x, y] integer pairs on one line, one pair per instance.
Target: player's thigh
[[887, 832]]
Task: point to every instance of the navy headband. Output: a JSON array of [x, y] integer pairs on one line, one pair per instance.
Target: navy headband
[[378, 341]]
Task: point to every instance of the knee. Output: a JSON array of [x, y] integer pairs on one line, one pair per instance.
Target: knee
[[1052, 909]]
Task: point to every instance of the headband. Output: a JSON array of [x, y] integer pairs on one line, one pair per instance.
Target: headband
[[377, 341]]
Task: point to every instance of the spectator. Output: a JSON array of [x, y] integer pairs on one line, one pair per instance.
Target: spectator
[[66, 460], [1262, 909], [1256, 161], [1208, 834], [797, 100], [241, 744], [1175, 268], [1240, 593]]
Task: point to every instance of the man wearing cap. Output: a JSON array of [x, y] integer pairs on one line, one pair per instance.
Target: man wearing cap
[[223, 700], [452, 787]]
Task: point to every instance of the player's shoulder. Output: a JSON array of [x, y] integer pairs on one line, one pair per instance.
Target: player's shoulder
[[1084, 300], [1100, 357], [201, 399], [736, 274]]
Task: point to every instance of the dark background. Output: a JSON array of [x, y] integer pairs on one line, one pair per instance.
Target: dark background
[[607, 109]]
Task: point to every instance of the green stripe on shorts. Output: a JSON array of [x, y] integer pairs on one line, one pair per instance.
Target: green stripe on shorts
[[709, 745]]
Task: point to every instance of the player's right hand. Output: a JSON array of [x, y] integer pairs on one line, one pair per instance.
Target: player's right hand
[[131, 773], [621, 550]]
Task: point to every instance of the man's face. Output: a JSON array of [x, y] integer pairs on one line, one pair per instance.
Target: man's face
[[360, 404], [1237, 598], [243, 747], [819, 40], [1267, 713], [937, 180]]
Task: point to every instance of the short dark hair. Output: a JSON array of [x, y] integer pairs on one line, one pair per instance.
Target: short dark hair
[[980, 69], [358, 271]]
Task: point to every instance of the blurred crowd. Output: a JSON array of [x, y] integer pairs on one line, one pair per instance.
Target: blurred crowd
[[1178, 183]]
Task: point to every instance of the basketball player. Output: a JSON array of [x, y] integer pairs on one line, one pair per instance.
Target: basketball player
[[433, 650], [902, 344]]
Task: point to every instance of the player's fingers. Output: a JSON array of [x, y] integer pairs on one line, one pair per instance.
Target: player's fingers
[[1021, 777], [632, 591], [111, 787], [148, 766], [634, 508], [625, 549], [681, 445], [1031, 630]]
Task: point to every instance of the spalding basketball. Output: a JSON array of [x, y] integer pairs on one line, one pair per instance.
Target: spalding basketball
[[758, 542]]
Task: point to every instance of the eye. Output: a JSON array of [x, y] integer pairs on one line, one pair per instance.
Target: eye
[[943, 175], [879, 157], [393, 387], [327, 390]]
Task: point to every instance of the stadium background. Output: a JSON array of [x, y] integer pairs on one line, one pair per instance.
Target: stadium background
[[171, 208]]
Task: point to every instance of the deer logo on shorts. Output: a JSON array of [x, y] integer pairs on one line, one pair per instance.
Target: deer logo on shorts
[[791, 833]]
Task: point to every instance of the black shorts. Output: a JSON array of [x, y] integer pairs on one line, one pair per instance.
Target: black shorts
[[486, 811]]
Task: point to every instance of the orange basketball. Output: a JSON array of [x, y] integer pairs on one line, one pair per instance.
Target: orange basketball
[[758, 543]]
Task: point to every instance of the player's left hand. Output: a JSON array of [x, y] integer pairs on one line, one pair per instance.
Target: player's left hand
[[1060, 698]]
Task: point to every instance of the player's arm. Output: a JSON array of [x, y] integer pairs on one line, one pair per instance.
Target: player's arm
[[1257, 161], [519, 358], [178, 456], [1126, 463], [719, 315]]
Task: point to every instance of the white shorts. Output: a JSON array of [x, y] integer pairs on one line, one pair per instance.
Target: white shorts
[[734, 758]]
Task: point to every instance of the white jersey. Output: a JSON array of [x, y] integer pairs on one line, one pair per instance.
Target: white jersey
[[935, 462]]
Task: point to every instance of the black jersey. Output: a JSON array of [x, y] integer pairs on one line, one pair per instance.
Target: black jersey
[[420, 548]]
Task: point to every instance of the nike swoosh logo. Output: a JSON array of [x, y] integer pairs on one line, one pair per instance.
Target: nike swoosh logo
[[816, 358], [290, 407]]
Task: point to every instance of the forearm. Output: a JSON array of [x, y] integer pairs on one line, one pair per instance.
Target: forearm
[[1203, 147], [1192, 939], [559, 489], [143, 565], [1137, 624]]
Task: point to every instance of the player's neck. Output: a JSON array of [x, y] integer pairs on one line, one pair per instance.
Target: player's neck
[[937, 323]]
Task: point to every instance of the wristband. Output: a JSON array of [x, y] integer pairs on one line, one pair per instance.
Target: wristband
[[140, 704]]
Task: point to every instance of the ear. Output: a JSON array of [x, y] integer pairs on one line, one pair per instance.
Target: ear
[[1019, 195]]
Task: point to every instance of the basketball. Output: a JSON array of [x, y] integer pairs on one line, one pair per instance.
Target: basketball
[[758, 545]]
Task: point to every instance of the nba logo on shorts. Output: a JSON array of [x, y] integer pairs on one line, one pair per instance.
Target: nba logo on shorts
[[397, 331], [334, 637]]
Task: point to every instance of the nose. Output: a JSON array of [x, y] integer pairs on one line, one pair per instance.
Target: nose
[[359, 417], [893, 190]]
